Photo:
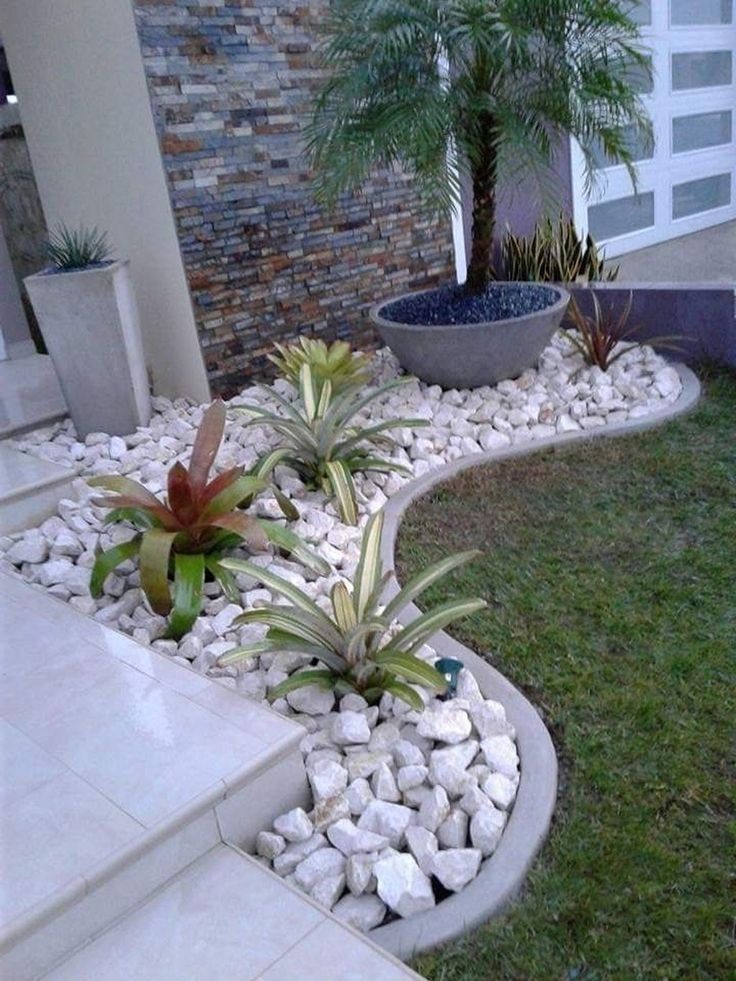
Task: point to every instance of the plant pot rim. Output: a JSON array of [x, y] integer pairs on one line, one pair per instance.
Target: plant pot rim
[[109, 265], [563, 298]]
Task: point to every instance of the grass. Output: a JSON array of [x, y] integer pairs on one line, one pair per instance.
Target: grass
[[611, 574]]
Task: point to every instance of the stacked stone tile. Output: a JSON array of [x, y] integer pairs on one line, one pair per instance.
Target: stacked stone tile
[[231, 86]]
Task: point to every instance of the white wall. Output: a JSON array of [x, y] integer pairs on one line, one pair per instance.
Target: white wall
[[78, 73], [15, 337]]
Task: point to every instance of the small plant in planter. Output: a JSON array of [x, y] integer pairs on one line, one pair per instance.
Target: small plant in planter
[[79, 248], [185, 537], [473, 94], [322, 444], [335, 363], [357, 642], [86, 309]]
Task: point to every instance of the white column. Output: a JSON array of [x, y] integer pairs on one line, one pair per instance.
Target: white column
[[78, 72]]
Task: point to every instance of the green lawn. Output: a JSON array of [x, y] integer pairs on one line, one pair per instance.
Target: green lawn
[[610, 569]]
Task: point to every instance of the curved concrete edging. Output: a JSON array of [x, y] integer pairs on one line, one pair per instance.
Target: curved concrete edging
[[505, 871]]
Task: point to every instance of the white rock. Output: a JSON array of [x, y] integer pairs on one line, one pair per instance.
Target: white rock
[[445, 723], [320, 864], [311, 700], [447, 767], [327, 891], [500, 790], [224, 619], [359, 873], [500, 754], [353, 702], [327, 779], [361, 912], [67, 543], [287, 861], [191, 647], [667, 382], [294, 825], [453, 832], [350, 728], [566, 424], [408, 754], [468, 688], [55, 571], [403, 886], [389, 820], [489, 718], [383, 784], [486, 827], [384, 737], [491, 439], [330, 810], [366, 764], [77, 581], [86, 605], [415, 796], [423, 845], [269, 845], [473, 799], [203, 630], [456, 867], [351, 840], [434, 809], [411, 776], [358, 795], [117, 448]]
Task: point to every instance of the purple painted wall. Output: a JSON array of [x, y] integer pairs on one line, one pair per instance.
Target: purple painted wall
[[522, 207], [703, 316]]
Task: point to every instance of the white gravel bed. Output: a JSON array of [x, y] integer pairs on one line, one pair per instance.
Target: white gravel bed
[[407, 805], [403, 812]]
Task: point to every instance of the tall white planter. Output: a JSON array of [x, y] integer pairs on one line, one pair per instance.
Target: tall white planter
[[89, 321]]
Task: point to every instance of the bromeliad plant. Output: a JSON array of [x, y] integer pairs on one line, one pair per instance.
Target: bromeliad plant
[[322, 443], [598, 335], [185, 537], [335, 363], [357, 642]]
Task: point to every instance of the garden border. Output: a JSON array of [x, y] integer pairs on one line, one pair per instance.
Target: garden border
[[504, 873]]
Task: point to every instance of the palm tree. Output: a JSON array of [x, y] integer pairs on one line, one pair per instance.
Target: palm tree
[[476, 90]]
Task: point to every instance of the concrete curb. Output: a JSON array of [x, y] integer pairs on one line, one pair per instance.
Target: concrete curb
[[504, 873]]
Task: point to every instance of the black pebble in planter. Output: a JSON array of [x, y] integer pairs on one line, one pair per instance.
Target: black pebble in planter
[[449, 338]]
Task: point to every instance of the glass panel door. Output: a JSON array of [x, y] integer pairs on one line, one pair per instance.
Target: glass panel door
[[686, 181]]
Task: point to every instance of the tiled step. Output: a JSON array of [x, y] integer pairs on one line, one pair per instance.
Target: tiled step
[[227, 918], [120, 769], [30, 395], [30, 489]]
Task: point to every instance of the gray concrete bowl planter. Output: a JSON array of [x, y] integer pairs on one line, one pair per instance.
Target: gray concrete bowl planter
[[470, 355], [89, 321]]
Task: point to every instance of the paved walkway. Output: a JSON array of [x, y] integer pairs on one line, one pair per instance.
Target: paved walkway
[[702, 257], [226, 917], [128, 781], [30, 395]]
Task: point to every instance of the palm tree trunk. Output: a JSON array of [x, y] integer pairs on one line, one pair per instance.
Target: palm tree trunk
[[484, 222]]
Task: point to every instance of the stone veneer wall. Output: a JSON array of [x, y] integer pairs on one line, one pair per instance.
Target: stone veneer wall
[[231, 84]]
